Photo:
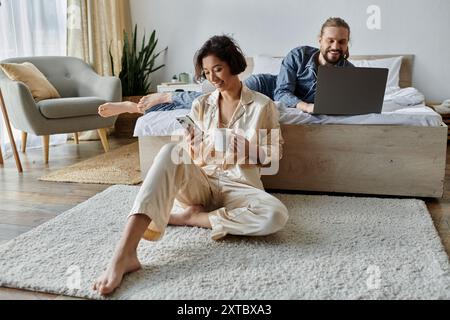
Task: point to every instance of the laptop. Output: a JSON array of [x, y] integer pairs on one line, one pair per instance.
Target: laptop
[[350, 90]]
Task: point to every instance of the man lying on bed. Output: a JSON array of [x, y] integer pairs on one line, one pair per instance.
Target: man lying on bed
[[295, 86]]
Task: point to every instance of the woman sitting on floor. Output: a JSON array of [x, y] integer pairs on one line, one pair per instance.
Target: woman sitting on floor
[[225, 196]]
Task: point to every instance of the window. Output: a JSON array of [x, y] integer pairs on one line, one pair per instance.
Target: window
[[32, 27]]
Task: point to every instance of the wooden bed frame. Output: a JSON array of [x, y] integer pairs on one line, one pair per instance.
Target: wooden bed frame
[[361, 159]]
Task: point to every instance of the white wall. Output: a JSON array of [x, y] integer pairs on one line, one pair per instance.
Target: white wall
[[419, 27]]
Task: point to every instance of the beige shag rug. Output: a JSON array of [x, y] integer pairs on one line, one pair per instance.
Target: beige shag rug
[[331, 248], [119, 166]]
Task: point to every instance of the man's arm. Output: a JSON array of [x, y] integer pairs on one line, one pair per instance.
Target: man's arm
[[286, 81]]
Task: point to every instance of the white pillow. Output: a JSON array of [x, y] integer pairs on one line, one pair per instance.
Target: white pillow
[[393, 64], [266, 64]]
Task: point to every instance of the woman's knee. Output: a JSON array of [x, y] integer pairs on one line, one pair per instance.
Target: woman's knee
[[167, 148], [171, 157], [165, 163], [165, 158], [274, 218], [169, 152]]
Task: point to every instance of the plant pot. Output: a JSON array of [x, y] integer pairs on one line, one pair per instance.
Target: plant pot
[[125, 123]]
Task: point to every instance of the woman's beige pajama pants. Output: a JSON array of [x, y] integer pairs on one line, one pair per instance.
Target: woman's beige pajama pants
[[234, 208]]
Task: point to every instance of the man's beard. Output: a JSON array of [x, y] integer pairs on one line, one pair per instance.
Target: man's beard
[[325, 56]]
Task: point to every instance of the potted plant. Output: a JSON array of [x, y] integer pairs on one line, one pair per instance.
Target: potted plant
[[138, 63]]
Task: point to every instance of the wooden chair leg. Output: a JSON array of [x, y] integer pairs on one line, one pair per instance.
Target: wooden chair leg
[[1, 156], [76, 138], [24, 141], [46, 147], [104, 138], [10, 134]]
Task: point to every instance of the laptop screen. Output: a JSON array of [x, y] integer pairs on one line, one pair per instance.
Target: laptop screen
[[350, 90]]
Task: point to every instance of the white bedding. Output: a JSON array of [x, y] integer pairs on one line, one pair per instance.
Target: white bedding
[[395, 112]]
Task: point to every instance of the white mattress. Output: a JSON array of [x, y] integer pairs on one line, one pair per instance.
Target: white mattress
[[164, 123]]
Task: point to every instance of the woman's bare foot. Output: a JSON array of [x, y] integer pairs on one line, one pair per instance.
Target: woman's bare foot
[[185, 218], [154, 99], [111, 109], [111, 279]]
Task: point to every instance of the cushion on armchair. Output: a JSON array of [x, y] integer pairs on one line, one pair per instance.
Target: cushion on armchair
[[40, 87], [70, 107]]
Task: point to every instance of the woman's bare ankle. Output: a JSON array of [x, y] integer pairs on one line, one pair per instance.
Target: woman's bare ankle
[[186, 217]]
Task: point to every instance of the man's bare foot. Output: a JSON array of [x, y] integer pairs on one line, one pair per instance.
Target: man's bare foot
[[154, 99], [111, 109], [185, 218], [111, 279]]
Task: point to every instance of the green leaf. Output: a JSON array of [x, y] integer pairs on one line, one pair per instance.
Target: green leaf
[[137, 66], [111, 60]]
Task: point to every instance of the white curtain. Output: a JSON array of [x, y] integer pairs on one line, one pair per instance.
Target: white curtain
[[31, 28]]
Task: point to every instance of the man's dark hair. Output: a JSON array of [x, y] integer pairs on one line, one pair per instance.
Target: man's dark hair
[[224, 48], [335, 22]]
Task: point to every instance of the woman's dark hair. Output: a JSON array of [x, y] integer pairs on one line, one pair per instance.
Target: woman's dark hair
[[224, 48]]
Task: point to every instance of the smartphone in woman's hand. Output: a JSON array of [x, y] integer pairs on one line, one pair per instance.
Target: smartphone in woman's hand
[[189, 124]]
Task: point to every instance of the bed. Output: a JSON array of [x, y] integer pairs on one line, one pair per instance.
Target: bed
[[400, 153]]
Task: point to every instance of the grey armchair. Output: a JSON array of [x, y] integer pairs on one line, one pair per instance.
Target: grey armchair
[[82, 91]]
